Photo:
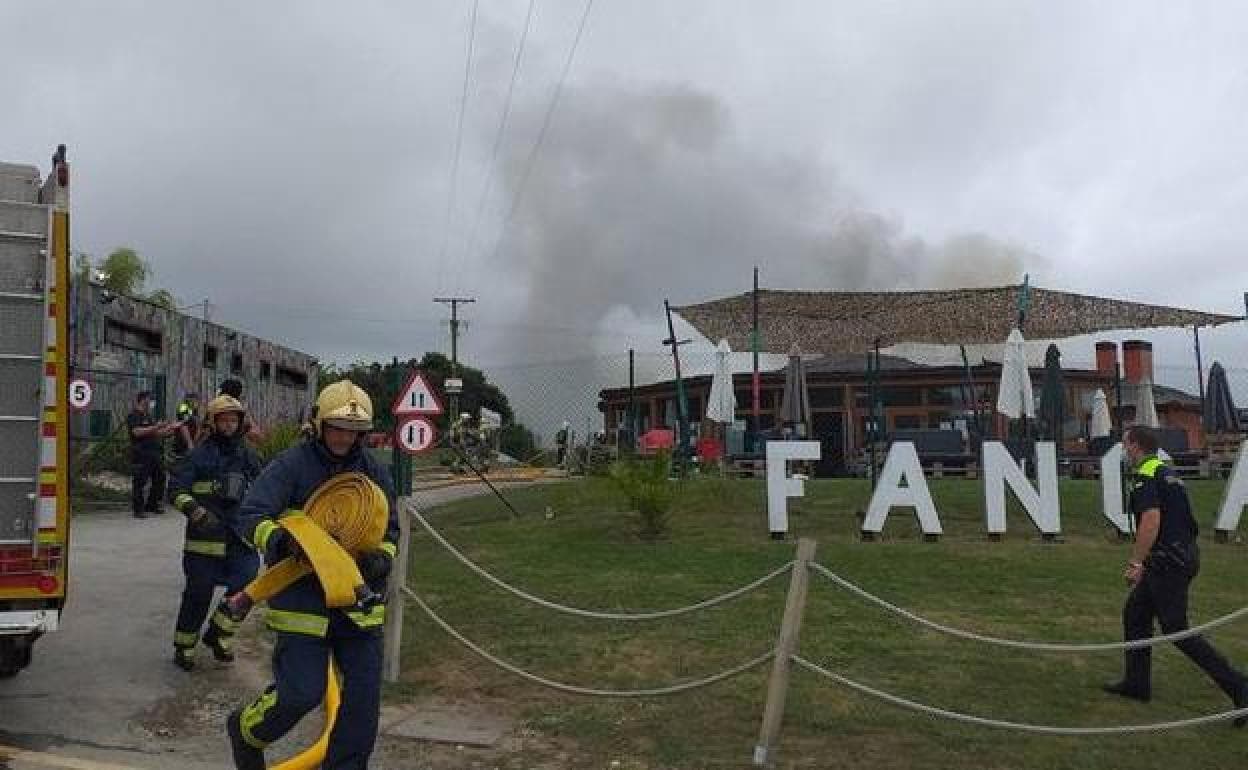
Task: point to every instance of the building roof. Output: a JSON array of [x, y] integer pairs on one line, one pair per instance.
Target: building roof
[[852, 322]]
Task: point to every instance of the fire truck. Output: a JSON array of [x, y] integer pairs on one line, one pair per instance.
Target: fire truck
[[34, 440]]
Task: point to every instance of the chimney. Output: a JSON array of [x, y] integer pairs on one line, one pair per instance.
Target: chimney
[[1137, 361], [1107, 359]]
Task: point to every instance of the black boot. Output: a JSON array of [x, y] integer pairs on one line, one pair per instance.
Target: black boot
[[1241, 702], [220, 650], [246, 756], [184, 658], [1125, 690]]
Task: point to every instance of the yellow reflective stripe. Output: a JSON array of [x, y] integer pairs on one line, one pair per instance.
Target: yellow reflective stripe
[[205, 547], [253, 715], [182, 499], [264, 530], [390, 549], [371, 619], [224, 622], [290, 512], [47, 477], [185, 639], [1148, 468], [204, 487], [297, 622], [46, 538]]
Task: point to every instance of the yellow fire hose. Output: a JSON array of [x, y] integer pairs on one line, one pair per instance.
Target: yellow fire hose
[[345, 517]]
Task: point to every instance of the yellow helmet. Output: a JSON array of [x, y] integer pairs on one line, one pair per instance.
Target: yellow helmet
[[345, 405], [223, 404]]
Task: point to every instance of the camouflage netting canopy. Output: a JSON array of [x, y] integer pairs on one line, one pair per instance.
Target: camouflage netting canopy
[[850, 321]]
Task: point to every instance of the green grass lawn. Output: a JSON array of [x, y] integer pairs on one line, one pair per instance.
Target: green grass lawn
[[588, 556]]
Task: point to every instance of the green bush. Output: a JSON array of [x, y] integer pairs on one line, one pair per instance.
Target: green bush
[[277, 439], [646, 482]]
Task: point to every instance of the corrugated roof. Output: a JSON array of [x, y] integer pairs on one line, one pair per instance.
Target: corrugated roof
[[850, 322]]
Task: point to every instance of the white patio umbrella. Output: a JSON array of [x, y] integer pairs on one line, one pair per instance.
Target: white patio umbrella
[[1014, 396], [1101, 425], [721, 405], [1146, 406]]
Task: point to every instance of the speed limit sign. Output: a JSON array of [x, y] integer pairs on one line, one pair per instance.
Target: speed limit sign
[[80, 393]]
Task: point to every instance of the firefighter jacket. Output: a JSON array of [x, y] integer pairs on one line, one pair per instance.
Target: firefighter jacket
[[286, 483]]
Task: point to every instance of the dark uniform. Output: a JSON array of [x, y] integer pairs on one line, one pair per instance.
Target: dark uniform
[[186, 417], [215, 476], [146, 465], [1161, 592], [307, 631]]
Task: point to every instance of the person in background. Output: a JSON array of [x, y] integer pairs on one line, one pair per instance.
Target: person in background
[[186, 427], [147, 471], [234, 389]]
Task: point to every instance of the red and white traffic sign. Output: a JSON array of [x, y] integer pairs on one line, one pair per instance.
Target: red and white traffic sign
[[416, 397], [415, 434], [80, 393]]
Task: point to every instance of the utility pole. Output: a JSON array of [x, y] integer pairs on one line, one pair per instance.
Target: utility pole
[[682, 404], [755, 443], [454, 302]]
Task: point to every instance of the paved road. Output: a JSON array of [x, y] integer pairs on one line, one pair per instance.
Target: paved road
[[102, 692]]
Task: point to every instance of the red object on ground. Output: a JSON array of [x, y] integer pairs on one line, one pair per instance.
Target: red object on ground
[[654, 440], [710, 449]]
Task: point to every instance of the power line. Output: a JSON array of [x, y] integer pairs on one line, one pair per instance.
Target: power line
[[459, 141], [498, 137], [541, 134]]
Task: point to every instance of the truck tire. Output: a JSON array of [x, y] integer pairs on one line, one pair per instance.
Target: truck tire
[[14, 656]]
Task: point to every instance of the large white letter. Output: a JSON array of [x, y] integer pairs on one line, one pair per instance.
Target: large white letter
[[902, 464], [1044, 507], [780, 486], [1111, 489], [1234, 496]]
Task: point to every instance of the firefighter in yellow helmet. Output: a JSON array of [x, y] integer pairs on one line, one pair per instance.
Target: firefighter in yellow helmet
[[308, 631], [208, 485]]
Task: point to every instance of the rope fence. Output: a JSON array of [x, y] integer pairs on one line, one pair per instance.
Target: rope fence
[[1134, 644]]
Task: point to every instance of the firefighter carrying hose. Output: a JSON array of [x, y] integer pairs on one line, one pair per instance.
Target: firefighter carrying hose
[[308, 632], [208, 485]]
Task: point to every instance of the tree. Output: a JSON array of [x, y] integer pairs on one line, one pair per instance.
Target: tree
[[163, 298], [124, 271]]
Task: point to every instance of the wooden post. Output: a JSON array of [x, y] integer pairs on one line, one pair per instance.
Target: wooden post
[[393, 642], [786, 646]]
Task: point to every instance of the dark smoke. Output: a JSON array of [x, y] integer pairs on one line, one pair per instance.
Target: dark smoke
[[646, 192]]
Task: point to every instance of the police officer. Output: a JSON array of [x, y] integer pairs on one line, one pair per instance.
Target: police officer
[[208, 486], [146, 456], [1164, 561], [307, 631]]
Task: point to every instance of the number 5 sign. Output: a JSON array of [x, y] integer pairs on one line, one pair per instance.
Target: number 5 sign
[[80, 393], [415, 434]]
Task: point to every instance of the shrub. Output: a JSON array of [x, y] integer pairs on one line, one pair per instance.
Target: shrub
[[646, 482], [277, 439]]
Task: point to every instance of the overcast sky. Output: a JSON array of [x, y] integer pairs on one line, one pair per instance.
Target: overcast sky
[[293, 161]]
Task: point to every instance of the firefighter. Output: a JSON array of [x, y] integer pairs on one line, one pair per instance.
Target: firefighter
[[307, 631], [187, 422], [208, 486]]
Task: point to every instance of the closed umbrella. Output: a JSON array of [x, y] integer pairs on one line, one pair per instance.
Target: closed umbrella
[[1101, 425], [721, 405], [1053, 396], [1221, 416], [795, 407], [1146, 406], [1014, 396]]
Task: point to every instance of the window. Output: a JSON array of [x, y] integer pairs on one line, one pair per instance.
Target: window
[[936, 419], [133, 337], [210, 357], [266, 371], [824, 398], [946, 395], [892, 396], [695, 408], [291, 378], [907, 422], [745, 399], [236, 363]]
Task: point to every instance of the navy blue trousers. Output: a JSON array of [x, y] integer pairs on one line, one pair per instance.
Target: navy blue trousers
[[300, 670]]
